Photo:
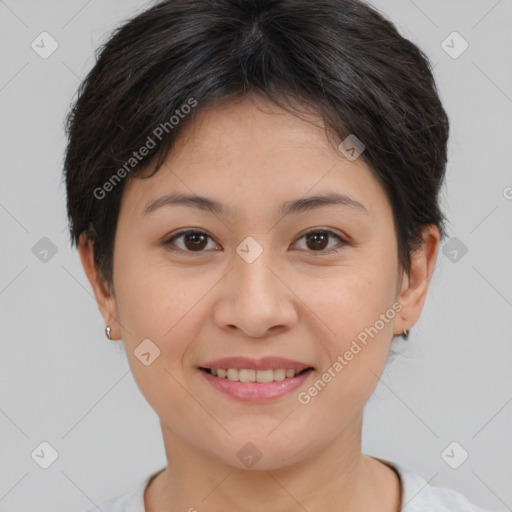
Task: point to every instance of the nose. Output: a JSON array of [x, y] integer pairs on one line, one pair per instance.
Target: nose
[[255, 298]]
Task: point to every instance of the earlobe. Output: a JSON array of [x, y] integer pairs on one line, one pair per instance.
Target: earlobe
[[415, 284], [104, 297]]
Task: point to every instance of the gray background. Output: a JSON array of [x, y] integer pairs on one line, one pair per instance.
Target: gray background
[[62, 382]]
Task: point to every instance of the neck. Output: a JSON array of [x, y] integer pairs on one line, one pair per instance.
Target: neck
[[337, 478]]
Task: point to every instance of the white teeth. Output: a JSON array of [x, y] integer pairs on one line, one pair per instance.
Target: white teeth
[[233, 374], [264, 375], [249, 375], [280, 374]]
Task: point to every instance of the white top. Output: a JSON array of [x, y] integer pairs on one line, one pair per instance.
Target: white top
[[417, 496]]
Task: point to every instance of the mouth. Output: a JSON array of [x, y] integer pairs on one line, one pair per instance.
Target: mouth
[[252, 375], [255, 381]]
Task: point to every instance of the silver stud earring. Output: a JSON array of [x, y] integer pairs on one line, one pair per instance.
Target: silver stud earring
[[107, 332], [405, 334]]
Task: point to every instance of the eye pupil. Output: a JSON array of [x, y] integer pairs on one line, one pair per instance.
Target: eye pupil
[[317, 237], [197, 240]]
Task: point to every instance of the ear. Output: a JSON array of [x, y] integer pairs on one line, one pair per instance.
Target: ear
[[414, 287], [105, 298]]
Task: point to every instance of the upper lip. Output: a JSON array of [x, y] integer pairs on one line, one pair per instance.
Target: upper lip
[[270, 363]]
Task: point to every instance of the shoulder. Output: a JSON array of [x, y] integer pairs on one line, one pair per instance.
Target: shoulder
[[130, 502], [419, 496]]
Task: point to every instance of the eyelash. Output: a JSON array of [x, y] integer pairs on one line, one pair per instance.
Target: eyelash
[[169, 242]]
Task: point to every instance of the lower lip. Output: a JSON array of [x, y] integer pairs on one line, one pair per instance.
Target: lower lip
[[256, 391]]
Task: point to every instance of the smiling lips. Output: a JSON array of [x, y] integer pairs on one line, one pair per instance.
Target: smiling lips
[[255, 380], [250, 375]]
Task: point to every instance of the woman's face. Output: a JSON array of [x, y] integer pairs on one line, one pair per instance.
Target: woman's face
[[253, 284]]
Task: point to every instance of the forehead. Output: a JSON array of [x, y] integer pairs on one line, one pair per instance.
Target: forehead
[[252, 127], [251, 152]]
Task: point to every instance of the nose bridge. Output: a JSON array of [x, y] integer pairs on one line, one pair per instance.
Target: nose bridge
[[255, 299], [256, 283]]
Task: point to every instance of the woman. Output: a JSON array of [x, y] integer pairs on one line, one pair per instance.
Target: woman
[[253, 189]]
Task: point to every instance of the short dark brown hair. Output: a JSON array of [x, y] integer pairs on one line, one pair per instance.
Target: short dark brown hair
[[340, 57]]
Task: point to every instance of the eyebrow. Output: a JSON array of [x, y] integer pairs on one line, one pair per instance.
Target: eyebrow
[[287, 208]]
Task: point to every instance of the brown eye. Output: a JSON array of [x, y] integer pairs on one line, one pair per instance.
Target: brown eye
[[195, 241], [191, 241], [318, 240]]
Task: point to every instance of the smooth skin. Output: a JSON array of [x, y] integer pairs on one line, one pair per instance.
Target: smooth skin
[[294, 301]]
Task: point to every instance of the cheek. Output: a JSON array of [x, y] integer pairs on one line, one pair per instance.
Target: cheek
[[153, 301], [358, 313], [167, 307], [153, 306], [354, 298]]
